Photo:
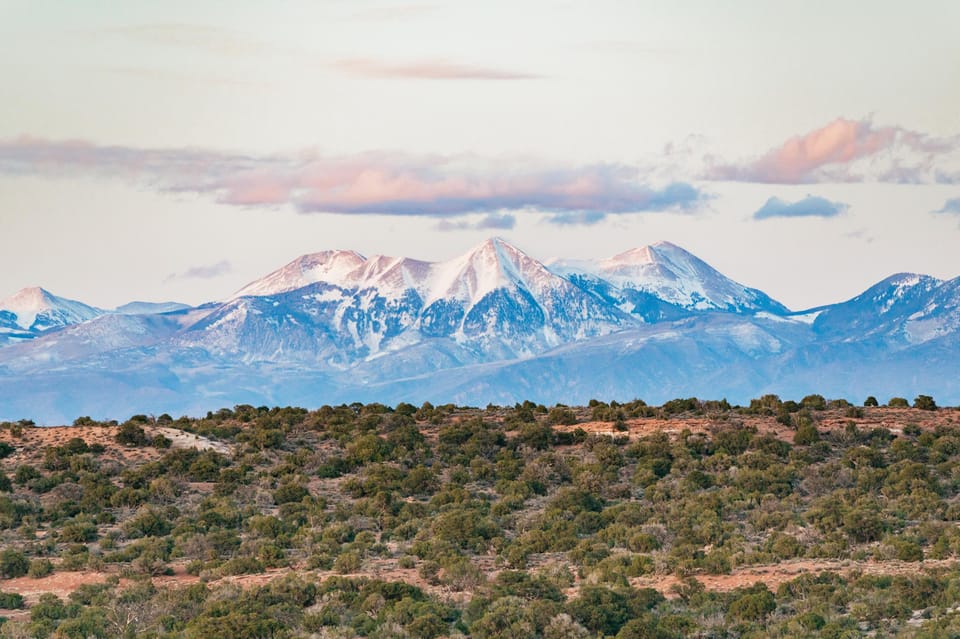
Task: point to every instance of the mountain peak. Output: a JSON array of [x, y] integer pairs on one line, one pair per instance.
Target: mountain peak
[[640, 255], [663, 247], [657, 253], [494, 244], [671, 274], [661, 254], [38, 309], [908, 279], [27, 297], [332, 266]]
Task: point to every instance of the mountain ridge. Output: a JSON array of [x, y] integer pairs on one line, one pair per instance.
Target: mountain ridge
[[490, 324]]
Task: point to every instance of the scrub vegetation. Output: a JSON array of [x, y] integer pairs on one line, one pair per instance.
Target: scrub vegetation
[[808, 518]]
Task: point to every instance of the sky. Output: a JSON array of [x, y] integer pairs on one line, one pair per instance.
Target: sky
[[178, 150]]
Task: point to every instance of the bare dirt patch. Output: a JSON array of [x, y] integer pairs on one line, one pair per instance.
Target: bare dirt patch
[[32, 443], [773, 575], [183, 439], [892, 419]]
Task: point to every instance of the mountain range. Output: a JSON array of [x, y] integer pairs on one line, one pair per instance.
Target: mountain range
[[493, 325]]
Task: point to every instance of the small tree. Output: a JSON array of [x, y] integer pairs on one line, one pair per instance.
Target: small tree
[[130, 434], [871, 401], [924, 402], [814, 402]]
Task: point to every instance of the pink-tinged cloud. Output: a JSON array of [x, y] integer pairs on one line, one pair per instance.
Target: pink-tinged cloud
[[844, 151], [372, 183], [427, 70]]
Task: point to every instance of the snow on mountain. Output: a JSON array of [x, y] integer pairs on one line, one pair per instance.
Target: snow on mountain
[[102, 334], [494, 299], [490, 325], [492, 265], [903, 309], [496, 290], [37, 310], [332, 267], [664, 281]]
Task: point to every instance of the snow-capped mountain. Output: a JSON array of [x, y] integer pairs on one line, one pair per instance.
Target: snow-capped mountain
[[494, 300], [902, 310], [663, 281], [491, 325], [332, 267], [32, 311]]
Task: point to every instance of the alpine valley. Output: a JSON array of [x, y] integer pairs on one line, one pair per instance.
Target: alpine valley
[[493, 325]]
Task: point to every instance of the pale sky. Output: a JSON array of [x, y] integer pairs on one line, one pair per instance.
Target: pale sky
[[178, 150]]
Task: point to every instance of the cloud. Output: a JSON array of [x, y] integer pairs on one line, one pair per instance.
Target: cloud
[[810, 206], [195, 36], [372, 183], [427, 70], [397, 12], [404, 185], [861, 234], [493, 221], [181, 76], [951, 207], [848, 151], [205, 272], [577, 218], [499, 222]]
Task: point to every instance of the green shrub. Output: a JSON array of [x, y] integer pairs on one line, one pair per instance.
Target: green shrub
[[814, 402], [241, 566], [11, 600], [754, 604], [40, 567], [13, 564], [131, 434], [289, 493], [806, 435], [561, 415]]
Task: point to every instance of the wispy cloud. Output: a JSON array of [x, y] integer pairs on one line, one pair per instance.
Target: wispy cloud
[[950, 207], [195, 36], [439, 69], [371, 183], [676, 196], [492, 221], [577, 218], [862, 235], [203, 272], [849, 151], [395, 12], [180, 76], [810, 206]]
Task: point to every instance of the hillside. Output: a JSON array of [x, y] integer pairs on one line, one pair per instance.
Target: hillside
[[694, 518]]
